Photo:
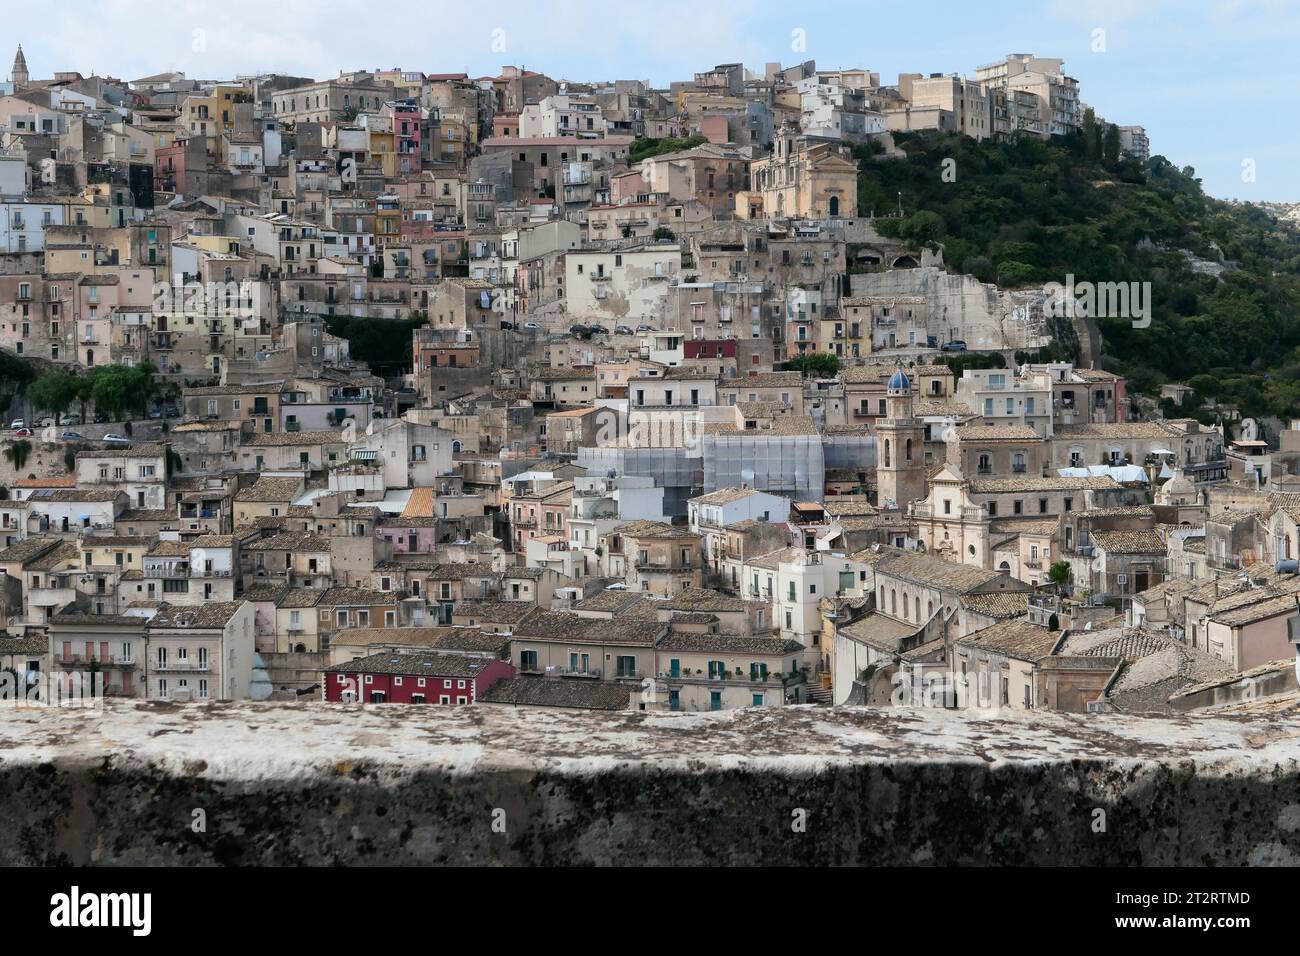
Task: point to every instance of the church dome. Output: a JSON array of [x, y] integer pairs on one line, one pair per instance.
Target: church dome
[[899, 381]]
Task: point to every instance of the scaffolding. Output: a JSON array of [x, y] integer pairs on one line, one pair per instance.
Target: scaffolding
[[789, 465], [850, 452], [678, 471]]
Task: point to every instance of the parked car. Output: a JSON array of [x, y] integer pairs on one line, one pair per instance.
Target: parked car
[[956, 345], [101, 419], [597, 330], [532, 325], [17, 423], [622, 330], [644, 328], [171, 411], [579, 329], [507, 326], [69, 419], [23, 433], [72, 436], [155, 413], [114, 439]]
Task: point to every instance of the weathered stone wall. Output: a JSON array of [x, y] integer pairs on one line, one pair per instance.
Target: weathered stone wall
[[315, 784], [962, 307]]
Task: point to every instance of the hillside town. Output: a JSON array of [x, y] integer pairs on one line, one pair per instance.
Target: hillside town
[[511, 391]]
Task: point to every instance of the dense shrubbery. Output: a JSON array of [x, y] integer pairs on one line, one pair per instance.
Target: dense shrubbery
[[815, 365], [1029, 212], [118, 391], [646, 147], [383, 344]]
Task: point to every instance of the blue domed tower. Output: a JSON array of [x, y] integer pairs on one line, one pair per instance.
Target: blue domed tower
[[900, 447]]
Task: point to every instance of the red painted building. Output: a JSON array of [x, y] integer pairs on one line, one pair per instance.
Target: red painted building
[[709, 348], [414, 679]]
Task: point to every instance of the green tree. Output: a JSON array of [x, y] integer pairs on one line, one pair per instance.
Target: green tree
[[1110, 145], [980, 267], [17, 453], [663, 232], [815, 364], [1014, 274], [1091, 135], [1059, 573], [84, 391], [924, 226], [120, 389], [386, 345], [53, 392]]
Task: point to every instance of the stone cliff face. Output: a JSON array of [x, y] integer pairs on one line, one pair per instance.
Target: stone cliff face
[[962, 307], [228, 783]]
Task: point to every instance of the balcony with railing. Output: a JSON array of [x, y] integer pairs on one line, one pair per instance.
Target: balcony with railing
[[52, 597], [182, 666], [77, 661], [590, 673], [964, 513], [652, 567], [741, 677], [195, 512]]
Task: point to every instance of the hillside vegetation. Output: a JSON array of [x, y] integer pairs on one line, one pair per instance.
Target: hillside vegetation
[[1029, 212]]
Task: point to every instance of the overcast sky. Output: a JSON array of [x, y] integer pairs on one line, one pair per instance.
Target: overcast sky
[[1213, 81]]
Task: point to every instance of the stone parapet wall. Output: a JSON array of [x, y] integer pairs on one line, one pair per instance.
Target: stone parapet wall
[[239, 783]]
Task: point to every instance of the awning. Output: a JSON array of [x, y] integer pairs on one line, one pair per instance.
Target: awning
[[364, 454]]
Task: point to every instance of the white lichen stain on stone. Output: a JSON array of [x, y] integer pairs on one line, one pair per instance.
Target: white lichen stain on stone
[[1271, 854], [1288, 818]]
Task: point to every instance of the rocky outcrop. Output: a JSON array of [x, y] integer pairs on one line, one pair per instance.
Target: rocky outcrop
[[241, 783]]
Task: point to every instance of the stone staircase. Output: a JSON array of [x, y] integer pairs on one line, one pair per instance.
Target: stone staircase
[[818, 690]]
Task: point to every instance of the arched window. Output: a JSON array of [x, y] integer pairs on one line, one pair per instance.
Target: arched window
[[835, 205], [918, 610], [886, 452], [909, 449], [893, 601]]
